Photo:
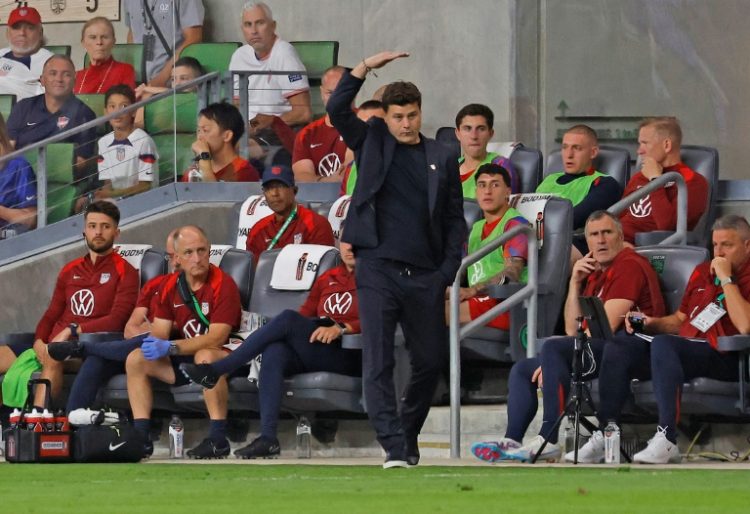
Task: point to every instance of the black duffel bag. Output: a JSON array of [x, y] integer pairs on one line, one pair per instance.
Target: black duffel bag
[[115, 443]]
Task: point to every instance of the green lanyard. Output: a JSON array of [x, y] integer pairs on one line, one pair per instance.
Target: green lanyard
[[282, 229], [720, 298]]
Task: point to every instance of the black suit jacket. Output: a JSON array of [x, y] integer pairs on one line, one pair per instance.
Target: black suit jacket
[[373, 147]]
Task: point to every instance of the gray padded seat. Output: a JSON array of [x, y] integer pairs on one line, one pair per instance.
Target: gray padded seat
[[472, 212], [447, 136], [704, 160], [612, 160], [528, 165], [495, 345], [238, 264], [322, 391]]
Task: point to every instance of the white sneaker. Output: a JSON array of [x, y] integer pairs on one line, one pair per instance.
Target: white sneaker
[[590, 453], [526, 452], [660, 450]]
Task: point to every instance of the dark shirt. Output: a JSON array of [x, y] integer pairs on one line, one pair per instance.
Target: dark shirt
[[604, 192], [402, 211]]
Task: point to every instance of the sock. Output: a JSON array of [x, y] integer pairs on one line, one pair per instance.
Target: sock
[[217, 431], [143, 427]]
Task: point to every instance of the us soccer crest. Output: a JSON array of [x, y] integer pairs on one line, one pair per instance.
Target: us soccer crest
[[297, 239], [204, 308], [120, 153], [104, 278], [62, 122]]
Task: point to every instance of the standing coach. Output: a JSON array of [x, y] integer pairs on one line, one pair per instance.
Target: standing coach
[[406, 225]]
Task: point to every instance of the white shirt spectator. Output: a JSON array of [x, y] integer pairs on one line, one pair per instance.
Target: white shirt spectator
[[125, 163], [18, 79]]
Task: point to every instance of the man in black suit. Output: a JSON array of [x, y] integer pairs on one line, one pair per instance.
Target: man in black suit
[[406, 225]]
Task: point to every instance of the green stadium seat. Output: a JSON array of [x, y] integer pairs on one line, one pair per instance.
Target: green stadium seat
[[160, 116], [165, 146], [60, 188], [317, 56], [131, 53], [212, 56], [95, 102], [59, 49], [6, 104]]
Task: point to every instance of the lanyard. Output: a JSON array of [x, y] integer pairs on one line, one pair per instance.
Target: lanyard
[[720, 298], [282, 229]]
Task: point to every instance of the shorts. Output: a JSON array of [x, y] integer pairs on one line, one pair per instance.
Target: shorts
[[176, 360], [478, 305], [19, 348]]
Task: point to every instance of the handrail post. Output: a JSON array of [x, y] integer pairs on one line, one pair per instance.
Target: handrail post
[[41, 187]]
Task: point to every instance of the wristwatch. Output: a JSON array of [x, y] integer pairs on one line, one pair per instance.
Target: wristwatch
[[203, 156], [729, 280], [343, 329], [174, 349], [73, 329]]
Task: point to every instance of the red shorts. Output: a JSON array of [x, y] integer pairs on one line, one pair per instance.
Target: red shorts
[[481, 304]]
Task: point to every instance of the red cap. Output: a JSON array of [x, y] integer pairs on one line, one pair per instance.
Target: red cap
[[27, 14]]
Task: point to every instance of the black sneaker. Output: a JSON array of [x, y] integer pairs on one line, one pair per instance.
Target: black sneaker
[[412, 450], [148, 449], [260, 448], [201, 374], [395, 458], [208, 450], [65, 350]]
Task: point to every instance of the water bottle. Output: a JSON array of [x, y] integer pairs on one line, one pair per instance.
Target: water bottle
[[304, 433], [61, 422], [612, 443], [14, 418], [48, 421], [194, 174], [176, 437], [568, 439], [34, 421]]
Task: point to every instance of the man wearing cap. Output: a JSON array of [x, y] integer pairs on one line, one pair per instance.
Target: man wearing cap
[[290, 223], [21, 62]]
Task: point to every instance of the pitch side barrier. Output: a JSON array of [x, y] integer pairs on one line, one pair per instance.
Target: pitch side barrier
[[680, 235], [520, 293]]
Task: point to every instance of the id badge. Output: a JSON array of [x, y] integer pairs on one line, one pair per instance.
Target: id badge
[[149, 43], [708, 317]]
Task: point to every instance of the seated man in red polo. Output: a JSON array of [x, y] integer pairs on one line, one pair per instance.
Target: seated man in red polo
[[659, 141], [290, 222]]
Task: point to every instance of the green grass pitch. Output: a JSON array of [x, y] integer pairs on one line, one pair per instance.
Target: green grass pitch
[[214, 489]]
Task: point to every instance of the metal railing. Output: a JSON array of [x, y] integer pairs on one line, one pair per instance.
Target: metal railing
[[527, 293], [680, 235]]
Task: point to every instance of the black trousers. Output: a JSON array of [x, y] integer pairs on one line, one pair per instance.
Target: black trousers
[[391, 293]]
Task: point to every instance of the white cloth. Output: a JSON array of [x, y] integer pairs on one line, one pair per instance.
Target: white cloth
[[531, 206], [269, 94], [17, 79], [217, 254], [296, 266], [127, 164], [133, 253], [337, 214], [254, 209]]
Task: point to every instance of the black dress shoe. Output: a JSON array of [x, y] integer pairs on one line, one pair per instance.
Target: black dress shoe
[[65, 350]]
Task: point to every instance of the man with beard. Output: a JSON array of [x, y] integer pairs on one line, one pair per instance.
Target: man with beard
[[24, 57], [94, 293]]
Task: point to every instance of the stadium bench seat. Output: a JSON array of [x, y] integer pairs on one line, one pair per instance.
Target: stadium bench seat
[[212, 56], [59, 49], [6, 105], [61, 190], [317, 56]]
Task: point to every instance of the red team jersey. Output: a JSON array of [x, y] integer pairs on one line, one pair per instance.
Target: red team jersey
[[308, 227], [218, 299], [334, 294], [323, 145], [239, 170], [701, 290], [149, 295], [658, 210], [98, 296]]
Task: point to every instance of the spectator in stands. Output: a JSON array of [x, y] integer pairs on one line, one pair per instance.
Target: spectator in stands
[[319, 150], [659, 141], [94, 293], [624, 281], [290, 223], [180, 331], [474, 130], [164, 33], [103, 360], [292, 342], [17, 190], [22, 61], [56, 110], [587, 189], [220, 127], [185, 69], [276, 96], [365, 111], [127, 155], [103, 72], [507, 263], [685, 343]]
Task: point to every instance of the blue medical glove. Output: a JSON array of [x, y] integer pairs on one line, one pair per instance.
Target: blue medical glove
[[154, 348]]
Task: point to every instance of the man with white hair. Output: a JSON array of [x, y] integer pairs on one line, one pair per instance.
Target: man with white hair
[[22, 61]]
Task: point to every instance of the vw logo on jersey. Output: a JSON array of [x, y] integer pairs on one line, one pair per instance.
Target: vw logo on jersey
[[641, 208], [192, 329], [338, 303], [82, 302], [329, 165]]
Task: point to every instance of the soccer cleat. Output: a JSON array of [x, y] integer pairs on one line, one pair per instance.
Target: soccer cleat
[[208, 450], [201, 374], [260, 448], [492, 451], [590, 453], [526, 452], [65, 350], [412, 451], [660, 450]]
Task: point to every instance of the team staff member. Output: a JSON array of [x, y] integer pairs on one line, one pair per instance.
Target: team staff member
[[294, 342], [94, 293], [623, 280], [407, 228], [201, 324], [290, 223], [715, 304]]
